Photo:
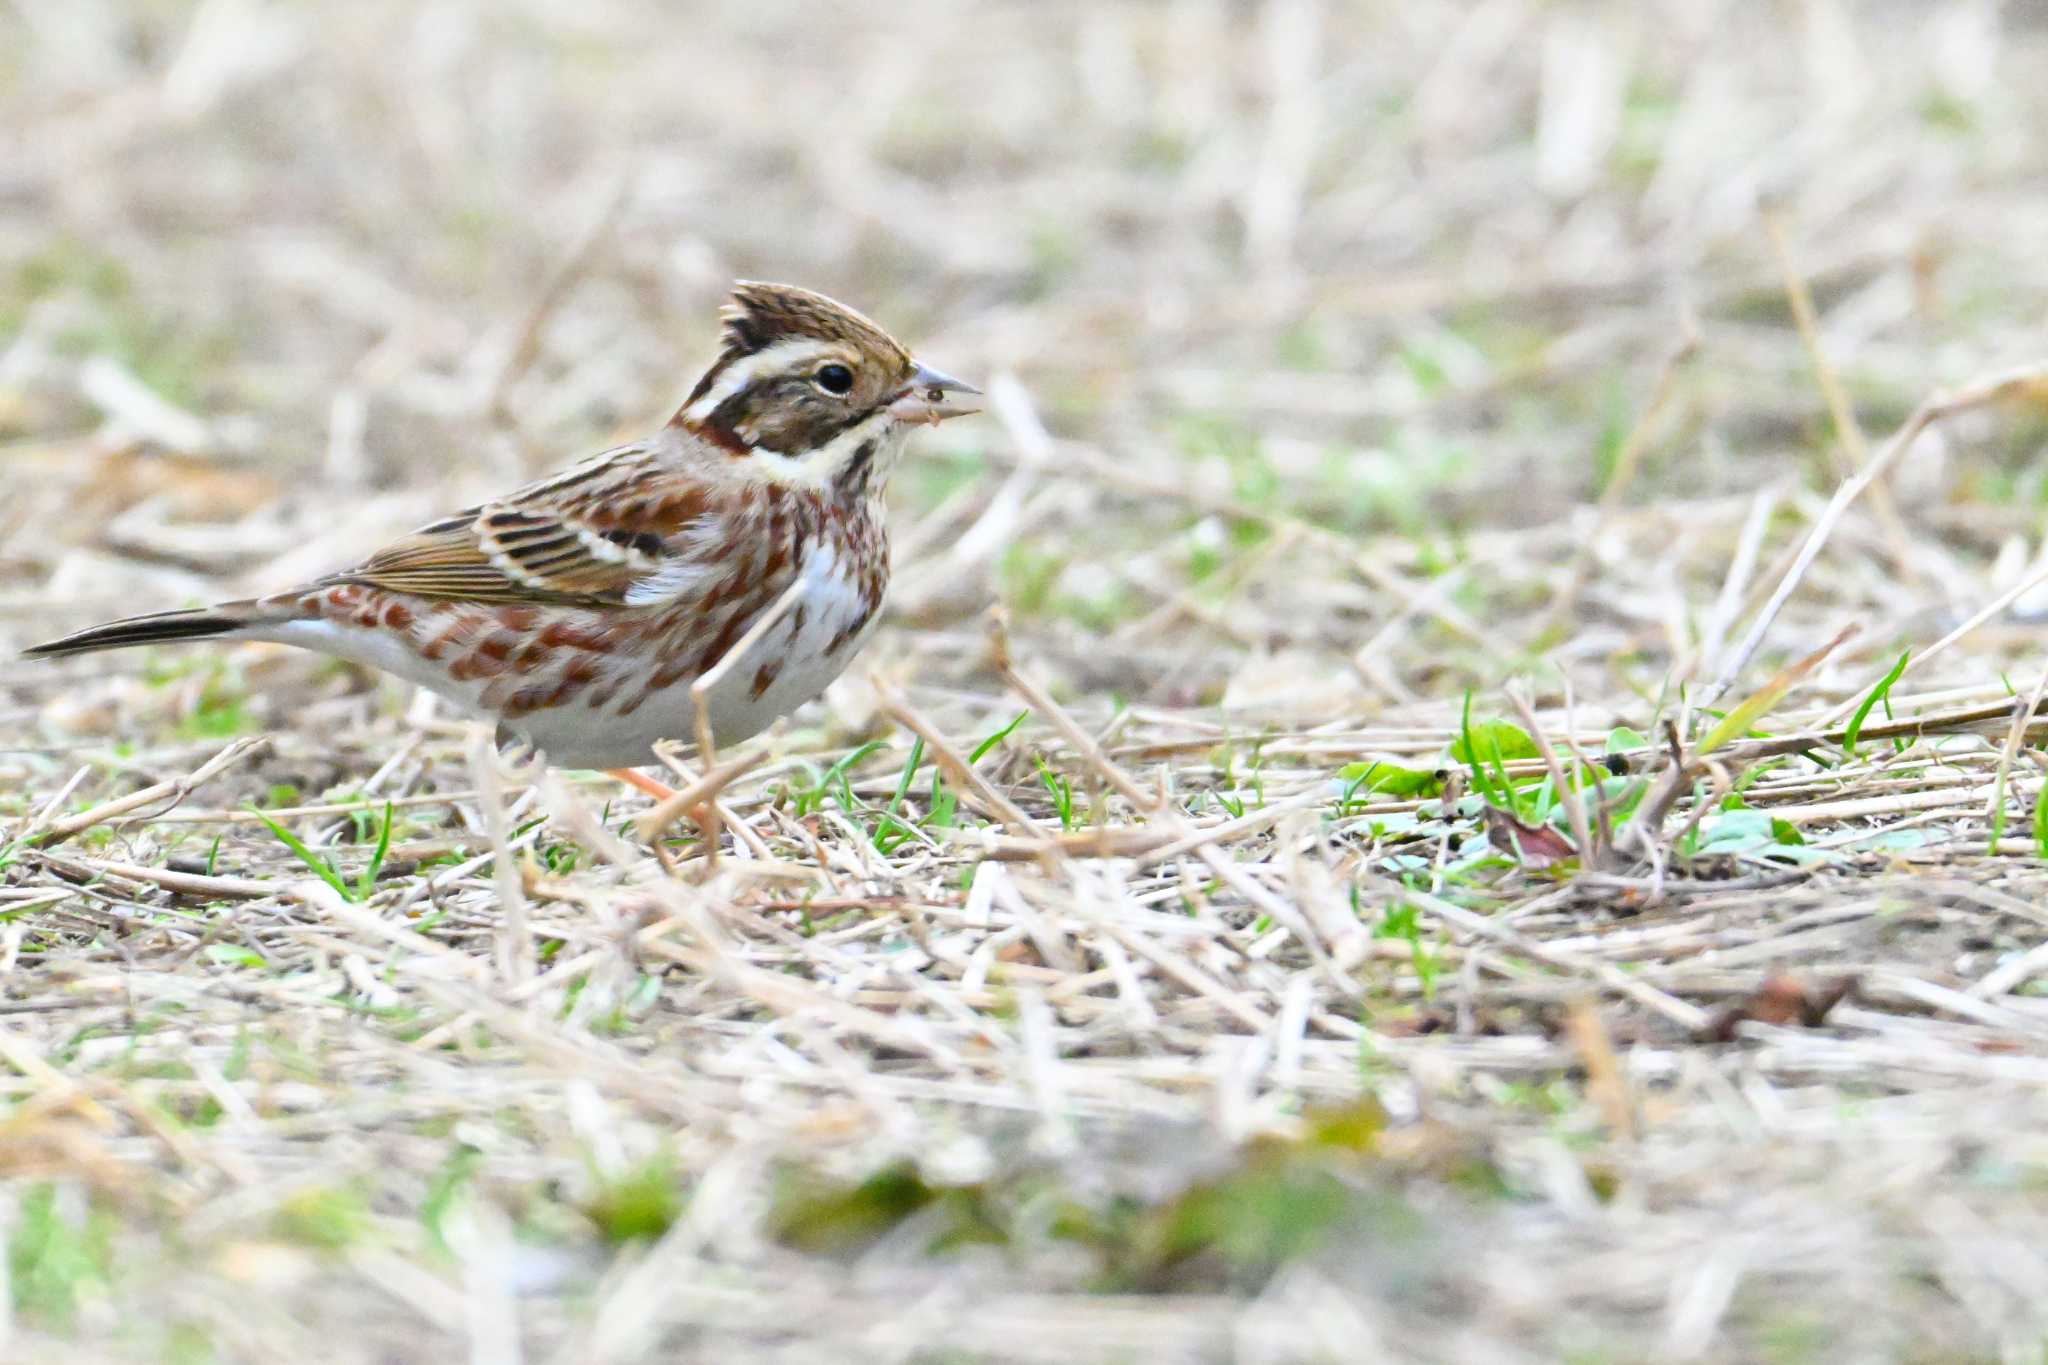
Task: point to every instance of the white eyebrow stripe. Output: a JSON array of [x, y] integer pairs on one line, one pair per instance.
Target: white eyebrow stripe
[[783, 355]]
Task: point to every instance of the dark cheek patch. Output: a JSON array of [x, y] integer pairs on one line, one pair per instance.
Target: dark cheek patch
[[785, 416]]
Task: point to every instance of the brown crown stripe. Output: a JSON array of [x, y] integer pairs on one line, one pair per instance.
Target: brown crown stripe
[[759, 315]]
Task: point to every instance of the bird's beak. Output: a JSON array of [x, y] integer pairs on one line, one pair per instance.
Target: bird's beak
[[933, 396]]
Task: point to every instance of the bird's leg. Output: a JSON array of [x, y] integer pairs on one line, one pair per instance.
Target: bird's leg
[[641, 782]]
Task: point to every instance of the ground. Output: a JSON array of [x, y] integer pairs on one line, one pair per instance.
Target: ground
[[1446, 779]]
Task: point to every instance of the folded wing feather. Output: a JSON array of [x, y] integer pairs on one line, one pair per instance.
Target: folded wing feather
[[531, 547]]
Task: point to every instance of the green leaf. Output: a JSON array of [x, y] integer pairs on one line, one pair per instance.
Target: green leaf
[[326, 1218], [1759, 834], [1622, 740], [1893, 840], [1387, 779], [637, 1205], [1492, 740], [1485, 751], [1735, 830], [825, 1217]]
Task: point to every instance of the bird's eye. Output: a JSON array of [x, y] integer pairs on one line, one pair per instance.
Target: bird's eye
[[835, 379]]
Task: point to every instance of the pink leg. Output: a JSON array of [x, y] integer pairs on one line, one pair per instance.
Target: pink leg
[[641, 782]]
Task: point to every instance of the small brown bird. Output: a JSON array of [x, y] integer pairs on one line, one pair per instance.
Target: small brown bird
[[579, 610]]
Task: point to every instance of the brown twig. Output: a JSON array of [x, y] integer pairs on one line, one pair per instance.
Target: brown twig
[[1852, 450], [1591, 855], [172, 790]]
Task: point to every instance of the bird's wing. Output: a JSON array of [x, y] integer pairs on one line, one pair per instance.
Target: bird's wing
[[600, 533]]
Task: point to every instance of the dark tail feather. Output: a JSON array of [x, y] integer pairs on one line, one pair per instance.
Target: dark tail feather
[[164, 627]]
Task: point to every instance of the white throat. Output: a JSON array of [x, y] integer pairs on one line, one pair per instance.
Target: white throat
[[841, 456]]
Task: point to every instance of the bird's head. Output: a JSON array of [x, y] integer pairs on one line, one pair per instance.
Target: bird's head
[[808, 386]]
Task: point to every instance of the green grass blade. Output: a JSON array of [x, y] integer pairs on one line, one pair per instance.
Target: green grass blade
[[1879, 693], [909, 771], [981, 749], [316, 864], [366, 882], [1482, 781], [1743, 718], [836, 781]]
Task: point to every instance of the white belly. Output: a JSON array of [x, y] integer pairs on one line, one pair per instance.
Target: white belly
[[787, 665]]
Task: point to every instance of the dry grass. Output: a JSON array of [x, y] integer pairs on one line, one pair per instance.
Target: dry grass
[[1349, 361]]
